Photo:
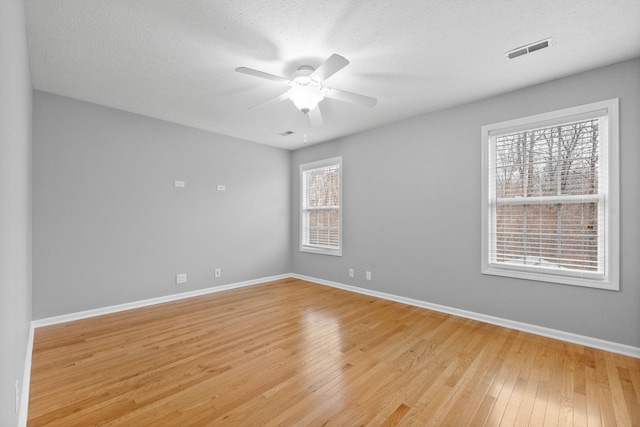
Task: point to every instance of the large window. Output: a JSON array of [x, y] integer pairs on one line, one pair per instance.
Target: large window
[[550, 197], [321, 214]]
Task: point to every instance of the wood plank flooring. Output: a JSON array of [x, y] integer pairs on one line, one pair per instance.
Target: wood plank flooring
[[295, 353]]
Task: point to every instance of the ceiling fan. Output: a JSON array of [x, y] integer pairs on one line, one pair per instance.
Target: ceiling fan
[[307, 87]]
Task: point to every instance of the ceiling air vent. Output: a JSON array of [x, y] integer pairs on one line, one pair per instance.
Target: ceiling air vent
[[542, 44], [286, 133]]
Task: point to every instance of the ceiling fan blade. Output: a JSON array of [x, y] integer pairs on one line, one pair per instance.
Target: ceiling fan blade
[[262, 74], [329, 67], [315, 117], [354, 98], [269, 101]]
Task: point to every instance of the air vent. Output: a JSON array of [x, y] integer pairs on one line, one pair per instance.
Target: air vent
[[542, 44], [286, 133]]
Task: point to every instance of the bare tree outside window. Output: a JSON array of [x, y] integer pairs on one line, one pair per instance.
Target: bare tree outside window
[[559, 161]]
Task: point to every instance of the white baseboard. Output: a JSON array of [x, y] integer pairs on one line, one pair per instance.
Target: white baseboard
[[613, 347], [147, 302], [26, 382]]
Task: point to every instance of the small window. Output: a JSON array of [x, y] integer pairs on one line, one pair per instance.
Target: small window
[[321, 201], [550, 197]]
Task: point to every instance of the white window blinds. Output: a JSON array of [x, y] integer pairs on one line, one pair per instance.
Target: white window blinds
[[320, 207], [548, 197], [547, 203]]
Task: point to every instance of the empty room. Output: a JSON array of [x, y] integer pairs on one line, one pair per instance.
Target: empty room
[[333, 213]]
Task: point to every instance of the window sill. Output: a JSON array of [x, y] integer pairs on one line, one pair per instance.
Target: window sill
[[606, 284], [321, 251]]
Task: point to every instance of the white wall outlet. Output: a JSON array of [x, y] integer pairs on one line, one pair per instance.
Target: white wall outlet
[[368, 275], [217, 272], [180, 184], [181, 278], [352, 273], [221, 188]]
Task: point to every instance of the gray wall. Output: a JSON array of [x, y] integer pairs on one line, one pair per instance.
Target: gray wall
[[412, 211], [15, 203], [110, 227]]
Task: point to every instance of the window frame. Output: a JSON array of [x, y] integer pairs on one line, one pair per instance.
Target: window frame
[[305, 246], [610, 279]]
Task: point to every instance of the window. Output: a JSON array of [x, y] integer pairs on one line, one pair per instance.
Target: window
[[550, 197], [321, 213]]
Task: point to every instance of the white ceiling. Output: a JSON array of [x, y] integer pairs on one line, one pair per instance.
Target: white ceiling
[[175, 60]]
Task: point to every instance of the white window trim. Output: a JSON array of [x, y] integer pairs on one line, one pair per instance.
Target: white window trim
[[612, 222], [314, 165]]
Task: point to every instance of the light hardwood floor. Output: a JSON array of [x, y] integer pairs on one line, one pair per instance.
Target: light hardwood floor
[[296, 353]]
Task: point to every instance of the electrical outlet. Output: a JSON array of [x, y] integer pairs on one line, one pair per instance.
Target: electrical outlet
[[368, 275], [352, 273], [217, 272], [181, 278]]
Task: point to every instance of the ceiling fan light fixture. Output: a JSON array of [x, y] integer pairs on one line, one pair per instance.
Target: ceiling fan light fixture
[[305, 98], [306, 87]]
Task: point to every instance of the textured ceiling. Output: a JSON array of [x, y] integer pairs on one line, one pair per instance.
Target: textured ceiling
[[175, 60]]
